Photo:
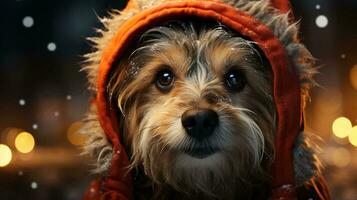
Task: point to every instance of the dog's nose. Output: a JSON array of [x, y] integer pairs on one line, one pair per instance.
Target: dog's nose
[[199, 123]]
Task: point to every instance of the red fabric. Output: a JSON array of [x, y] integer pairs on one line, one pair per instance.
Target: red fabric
[[93, 191], [282, 5], [286, 83], [116, 185], [284, 192]]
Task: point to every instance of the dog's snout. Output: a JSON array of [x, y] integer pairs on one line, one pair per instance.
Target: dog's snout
[[199, 123]]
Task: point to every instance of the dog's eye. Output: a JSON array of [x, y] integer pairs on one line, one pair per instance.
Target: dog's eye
[[235, 80], [164, 80]]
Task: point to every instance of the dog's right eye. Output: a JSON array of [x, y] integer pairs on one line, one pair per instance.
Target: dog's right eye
[[235, 80], [164, 80]]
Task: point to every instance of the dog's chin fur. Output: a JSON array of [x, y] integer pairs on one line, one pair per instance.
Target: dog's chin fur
[[210, 176], [199, 57]]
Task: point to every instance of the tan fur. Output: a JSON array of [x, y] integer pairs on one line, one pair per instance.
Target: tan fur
[[152, 119]]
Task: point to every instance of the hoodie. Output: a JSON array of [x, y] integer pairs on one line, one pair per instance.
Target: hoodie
[[270, 24]]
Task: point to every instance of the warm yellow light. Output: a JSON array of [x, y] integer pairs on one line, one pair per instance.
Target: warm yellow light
[[353, 76], [24, 142], [353, 136], [341, 127], [74, 136], [5, 155]]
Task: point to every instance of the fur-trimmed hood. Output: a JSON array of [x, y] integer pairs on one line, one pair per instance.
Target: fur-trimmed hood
[[268, 23]]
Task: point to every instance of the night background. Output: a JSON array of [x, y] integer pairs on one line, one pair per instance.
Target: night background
[[44, 96]]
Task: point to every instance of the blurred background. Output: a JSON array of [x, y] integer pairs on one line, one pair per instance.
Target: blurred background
[[44, 97]]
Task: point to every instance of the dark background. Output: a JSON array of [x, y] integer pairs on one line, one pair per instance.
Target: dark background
[[55, 93]]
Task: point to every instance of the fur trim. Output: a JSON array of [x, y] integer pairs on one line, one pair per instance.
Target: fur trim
[[306, 163], [97, 145]]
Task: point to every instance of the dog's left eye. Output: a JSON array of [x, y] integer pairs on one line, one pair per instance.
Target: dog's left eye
[[164, 80], [235, 80]]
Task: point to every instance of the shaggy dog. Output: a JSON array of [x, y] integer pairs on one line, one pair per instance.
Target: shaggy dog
[[196, 109]]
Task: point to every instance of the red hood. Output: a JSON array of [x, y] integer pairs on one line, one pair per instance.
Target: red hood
[[287, 92]]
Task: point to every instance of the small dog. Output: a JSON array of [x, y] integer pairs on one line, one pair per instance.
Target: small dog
[[190, 109], [199, 114]]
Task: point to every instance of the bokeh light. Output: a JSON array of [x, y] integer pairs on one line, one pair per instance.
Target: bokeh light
[[5, 155], [353, 136], [74, 136], [321, 21], [353, 76], [341, 157], [8, 136], [341, 127], [34, 126], [51, 46], [34, 185], [24, 142], [22, 102], [28, 21]]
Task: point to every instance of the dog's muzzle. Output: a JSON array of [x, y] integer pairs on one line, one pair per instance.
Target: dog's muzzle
[[200, 124]]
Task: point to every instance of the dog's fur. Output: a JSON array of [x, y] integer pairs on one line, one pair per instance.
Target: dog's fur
[[199, 56]]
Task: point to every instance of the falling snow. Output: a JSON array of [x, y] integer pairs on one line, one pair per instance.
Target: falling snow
[[68, 97], [20, 173], [22, 102], [28, 22], [317, 7], [34, 126], [343, 56], [321, 21], [56, 114], [34, 185], [51, 46]]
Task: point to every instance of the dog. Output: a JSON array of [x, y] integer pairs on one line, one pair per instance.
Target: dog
[[198, 108]]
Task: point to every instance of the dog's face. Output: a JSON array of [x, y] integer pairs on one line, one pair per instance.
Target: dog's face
[[197, 105]]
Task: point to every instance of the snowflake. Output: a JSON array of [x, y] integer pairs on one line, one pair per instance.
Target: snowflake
[[28, 22], [321, 21], [34, 185], [51, 46], [22, 102], [34, 126]]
